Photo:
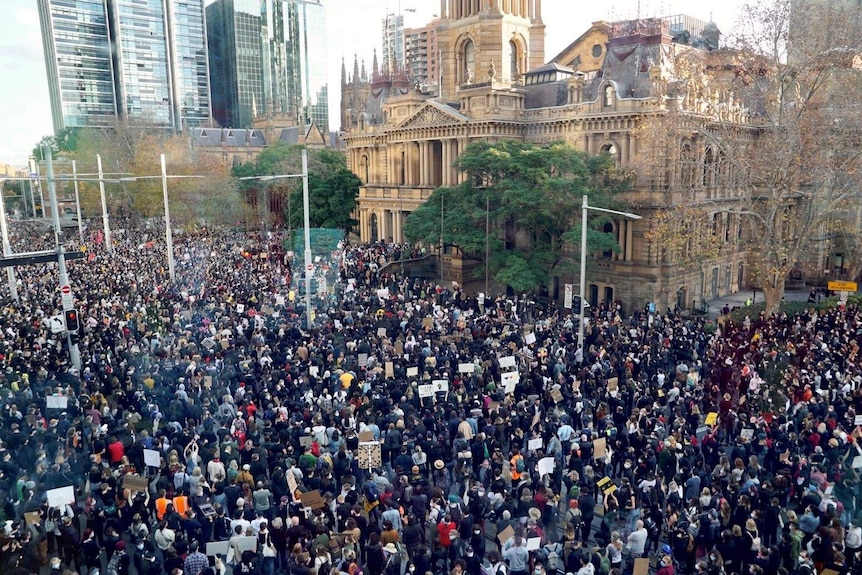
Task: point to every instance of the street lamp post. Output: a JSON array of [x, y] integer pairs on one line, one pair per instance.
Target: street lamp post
[[307, 234], [585, 207]]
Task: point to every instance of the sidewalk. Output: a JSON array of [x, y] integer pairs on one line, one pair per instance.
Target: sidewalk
[[738, 300]]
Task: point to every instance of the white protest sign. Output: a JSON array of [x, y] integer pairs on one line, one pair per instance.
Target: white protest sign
[[440, 385], [217, 547], [426, 390], [508, 361], [546, 466], [534, 543], [531, 338], [535, 444], [466, 368], [240, 308], [509, 381], [858, 420], [56, 401], [152, 458], [412, 372], [61, 496]]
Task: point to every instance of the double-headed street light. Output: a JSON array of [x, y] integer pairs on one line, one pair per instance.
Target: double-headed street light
[[309, 267], [585, 207]]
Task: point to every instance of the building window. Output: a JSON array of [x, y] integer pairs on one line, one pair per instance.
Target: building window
[[469, 60], [612, 150], [514, 60], [597, 50], [609, 96]]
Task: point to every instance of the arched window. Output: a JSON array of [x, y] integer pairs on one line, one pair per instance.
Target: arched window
[[609, 96], [469, 59], [611, 149], [708, 168], [514, 60], [687, 166]]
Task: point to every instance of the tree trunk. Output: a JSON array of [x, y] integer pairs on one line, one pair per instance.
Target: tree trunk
[[773, 295]]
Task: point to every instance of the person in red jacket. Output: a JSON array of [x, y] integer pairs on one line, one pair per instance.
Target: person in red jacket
[[116, 451], [446, 530]]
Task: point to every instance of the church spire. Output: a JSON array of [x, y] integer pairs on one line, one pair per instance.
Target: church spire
[[364, 73], [355, 67], [343, 72], [375, 69]]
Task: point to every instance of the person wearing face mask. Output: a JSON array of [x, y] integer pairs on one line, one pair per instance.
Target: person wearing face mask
[[477, 541], [666, 566], [472, 562]]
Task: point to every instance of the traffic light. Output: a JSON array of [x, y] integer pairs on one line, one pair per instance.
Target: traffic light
[[72, 324]]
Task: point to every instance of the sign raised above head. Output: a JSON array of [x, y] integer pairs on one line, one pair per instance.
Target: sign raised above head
[[842, 286]]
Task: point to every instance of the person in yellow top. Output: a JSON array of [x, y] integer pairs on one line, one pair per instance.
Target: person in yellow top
[[244, 476]]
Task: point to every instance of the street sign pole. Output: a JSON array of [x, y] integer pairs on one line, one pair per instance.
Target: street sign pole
[[74, 353]]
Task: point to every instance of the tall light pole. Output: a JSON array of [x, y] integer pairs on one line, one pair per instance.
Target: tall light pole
[[309, 267], [105, 224], [77, 202], [68, 304], [585, 207], [169, 236]]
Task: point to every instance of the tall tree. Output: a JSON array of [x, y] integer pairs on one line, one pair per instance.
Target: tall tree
[[530, 197], [775, 118], [332, 187]]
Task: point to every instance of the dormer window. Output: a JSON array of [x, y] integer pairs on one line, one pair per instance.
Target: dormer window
[[609, 96]]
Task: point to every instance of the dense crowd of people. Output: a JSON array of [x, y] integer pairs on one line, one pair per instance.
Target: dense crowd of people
[[413, 429]]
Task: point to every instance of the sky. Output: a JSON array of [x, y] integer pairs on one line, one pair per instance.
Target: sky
[[353, 27]]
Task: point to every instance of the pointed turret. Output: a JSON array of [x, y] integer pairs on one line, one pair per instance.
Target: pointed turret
[[355, 67], [364, 74], [375, 68], [343, 72]]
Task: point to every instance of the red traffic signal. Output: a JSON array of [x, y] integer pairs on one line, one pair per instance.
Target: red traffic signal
[[72, 323]]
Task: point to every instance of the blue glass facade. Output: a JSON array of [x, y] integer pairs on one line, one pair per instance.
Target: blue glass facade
[[78, 62], [236, 61], [138, 59], [268, 58]]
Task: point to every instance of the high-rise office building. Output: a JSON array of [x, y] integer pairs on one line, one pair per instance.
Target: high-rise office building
[[136, 59], [268, 60], [236, 61], [393, 42]]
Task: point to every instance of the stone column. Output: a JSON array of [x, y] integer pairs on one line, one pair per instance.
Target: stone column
[[621, 237], [629, 240]]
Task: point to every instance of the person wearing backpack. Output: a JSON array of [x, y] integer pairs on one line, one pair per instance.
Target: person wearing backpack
[[517, 464]]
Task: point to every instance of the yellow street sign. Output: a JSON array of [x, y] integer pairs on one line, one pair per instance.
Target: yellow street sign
[[842, 286]]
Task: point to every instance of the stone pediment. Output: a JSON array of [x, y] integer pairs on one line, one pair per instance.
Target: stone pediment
[[433, 114]]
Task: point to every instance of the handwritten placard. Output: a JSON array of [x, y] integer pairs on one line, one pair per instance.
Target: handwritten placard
[[509, 381], [152, 458], [507, 362], [312, 499], [466, 368], [426, 390], [412, 372], [390, 369]]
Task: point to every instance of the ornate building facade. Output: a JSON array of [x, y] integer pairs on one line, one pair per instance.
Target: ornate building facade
[[595, 95]]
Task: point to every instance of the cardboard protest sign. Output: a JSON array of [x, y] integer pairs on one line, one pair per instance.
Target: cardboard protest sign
[[505, 534], [291, 482], [600, 448], [381, 332], [366, 436], [556, 395], [642, 566], [390, 369], [135, 483], [312, 499], [32, 518], [412, 371]]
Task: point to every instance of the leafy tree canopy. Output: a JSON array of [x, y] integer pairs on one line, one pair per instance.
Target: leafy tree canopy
[[532, 195], [332, 187]]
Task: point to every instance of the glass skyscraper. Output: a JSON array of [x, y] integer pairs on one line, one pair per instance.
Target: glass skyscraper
[[137, 59], [268, 59], [236, 61]]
